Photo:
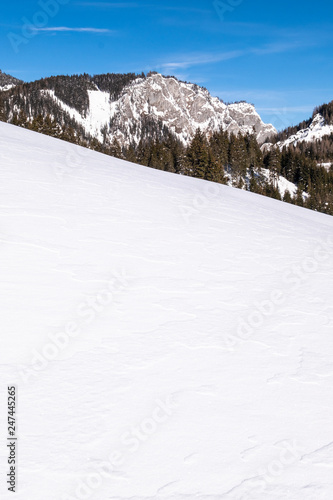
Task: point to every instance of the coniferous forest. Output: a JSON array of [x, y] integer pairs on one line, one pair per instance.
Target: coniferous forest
[[225, 158]]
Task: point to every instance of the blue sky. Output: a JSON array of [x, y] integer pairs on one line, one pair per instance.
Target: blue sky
[[277, 55]]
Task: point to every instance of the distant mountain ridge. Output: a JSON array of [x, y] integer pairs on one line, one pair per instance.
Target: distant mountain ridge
[[316, 128], [166, 124], [7, 81], [133, 107]]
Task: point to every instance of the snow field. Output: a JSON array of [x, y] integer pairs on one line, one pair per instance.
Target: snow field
[[170, 338]]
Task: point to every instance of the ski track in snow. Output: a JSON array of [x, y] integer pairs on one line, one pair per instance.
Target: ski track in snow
[[166, 278]]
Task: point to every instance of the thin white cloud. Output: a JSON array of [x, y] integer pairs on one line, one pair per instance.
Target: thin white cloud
[[135, 5], [287, 109], [279, 47], [110, 5], [268, 96], [74, 30], [190, 60], [180, 9]]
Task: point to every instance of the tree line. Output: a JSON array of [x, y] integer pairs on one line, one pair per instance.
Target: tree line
[[225, 158]]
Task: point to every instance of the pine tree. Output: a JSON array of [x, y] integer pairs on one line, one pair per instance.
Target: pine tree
[[14, 120], [219, 146], [22, 120], [3, 115], [50, 127], [273, 163], [37, 124], [287, 197], [130, 154], [68, 134], [237, 157], [254, 184], [298, 198], [115, 149], [143, 153], [95, 145], [197, 155], [254, 154]]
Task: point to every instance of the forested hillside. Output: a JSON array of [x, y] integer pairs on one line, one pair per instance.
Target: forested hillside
[[219, 156]]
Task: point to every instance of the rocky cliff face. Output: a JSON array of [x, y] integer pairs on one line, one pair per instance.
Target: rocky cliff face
[[184, 107], [168, 103], [131, 107]]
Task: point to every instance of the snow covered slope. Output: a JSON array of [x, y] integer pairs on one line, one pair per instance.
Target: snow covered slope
[[181, 107], [169, 338]]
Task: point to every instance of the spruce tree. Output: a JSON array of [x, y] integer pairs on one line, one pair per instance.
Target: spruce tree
[[197, 156], [115, 149], [3, 115]]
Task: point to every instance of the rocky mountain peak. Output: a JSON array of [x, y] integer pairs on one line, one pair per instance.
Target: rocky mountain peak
[[133, 107], [185, 107]]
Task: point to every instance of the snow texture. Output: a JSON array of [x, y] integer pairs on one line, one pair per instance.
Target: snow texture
[[170, 338], [282, 183], [3, 88]]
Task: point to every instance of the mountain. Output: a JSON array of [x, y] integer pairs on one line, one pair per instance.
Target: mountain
[[178, 127], [180, 107], [169, 338], [133, 107], [304, 155], [7, 81], [315, 129]]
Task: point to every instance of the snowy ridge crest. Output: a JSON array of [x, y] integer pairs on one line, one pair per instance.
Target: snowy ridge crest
[[7, 82], [317, 129]]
